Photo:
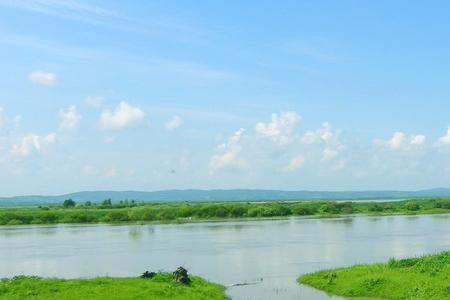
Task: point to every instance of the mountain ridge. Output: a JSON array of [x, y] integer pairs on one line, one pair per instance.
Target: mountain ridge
[[198, 195]]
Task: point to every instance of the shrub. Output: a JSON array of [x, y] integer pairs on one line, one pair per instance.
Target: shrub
[[330, 208], [14, 222], [181, 276], [142, 214], [221, 212], [47, 217], [148, 275], [238, 211], [412, 206], [302, 211], [442, 203], [166, 214], [375, 208], [79, 217], [117, 216]]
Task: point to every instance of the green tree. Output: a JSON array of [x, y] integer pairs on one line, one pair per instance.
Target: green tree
[[68, 203]]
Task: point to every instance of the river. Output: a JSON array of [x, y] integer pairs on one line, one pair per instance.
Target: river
[[270, 254]]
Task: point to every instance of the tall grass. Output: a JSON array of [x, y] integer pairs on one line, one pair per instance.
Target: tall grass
[[159, 287], [419, 278]]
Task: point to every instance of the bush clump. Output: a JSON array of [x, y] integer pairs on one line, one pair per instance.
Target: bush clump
[[148, 275], [181, 276]]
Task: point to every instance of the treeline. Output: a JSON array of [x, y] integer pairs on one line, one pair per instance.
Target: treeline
[[130, 211]]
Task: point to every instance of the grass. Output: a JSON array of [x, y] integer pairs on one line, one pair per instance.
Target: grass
[[160, 287], [130, 212], [422, 278]]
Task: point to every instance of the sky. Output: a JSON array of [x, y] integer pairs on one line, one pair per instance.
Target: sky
[[292, 95]]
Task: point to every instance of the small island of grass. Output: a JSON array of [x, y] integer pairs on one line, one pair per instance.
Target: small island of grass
[[426, 277], [159, 287]]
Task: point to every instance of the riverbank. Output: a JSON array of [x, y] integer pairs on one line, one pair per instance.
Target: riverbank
[[160, 287], [421, 278], [130, 212]]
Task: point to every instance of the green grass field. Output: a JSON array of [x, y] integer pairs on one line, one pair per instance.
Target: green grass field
[[158, 288], [185, 212], [422, 278]]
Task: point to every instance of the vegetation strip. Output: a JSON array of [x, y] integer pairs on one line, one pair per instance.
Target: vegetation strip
[[158, 287], [129, 211], [422, 278]]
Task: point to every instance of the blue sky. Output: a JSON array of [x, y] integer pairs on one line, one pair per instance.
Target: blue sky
[[150, 95]]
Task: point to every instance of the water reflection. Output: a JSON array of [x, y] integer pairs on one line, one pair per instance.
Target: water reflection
[[135, 232], [226, 252]]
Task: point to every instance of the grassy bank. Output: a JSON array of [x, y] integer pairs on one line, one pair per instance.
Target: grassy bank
[[108, 212], [426, 277], [157, 288]]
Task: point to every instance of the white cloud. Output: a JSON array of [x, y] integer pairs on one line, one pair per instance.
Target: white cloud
[[227, 154], [329, 154], [418, 139], [94, 101], [109, 139], [325, 134], [398, 141], [32, 143], [444, 140], [6, 121], [281, 128], [341, 164], [17, 120], [2, 118], [42, 78], [295, 163], [401, 142], [70, 118], [111, 173], [174, 123], [123, 116], [328, 137], [88, 170]]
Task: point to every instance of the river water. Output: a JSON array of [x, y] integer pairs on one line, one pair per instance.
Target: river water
[[269, 254]]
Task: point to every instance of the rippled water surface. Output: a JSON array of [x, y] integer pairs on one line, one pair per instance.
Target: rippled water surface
[[275, 251]]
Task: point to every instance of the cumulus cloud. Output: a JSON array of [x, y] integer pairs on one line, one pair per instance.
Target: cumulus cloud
[[324, 134], [329, 154], [281, 127], [42, 78], [88, 170], [174, 123], [94, 101], [32, 143], [8, 122], [2, 118], [295, 163], [227, 154], [327, 136], [70, 118], [124, 116], [111, 173], [444, 140], [401, 142], [418, 139], [17, 120]]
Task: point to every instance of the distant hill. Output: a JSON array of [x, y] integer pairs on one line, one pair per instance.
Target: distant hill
[[218, 195]]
